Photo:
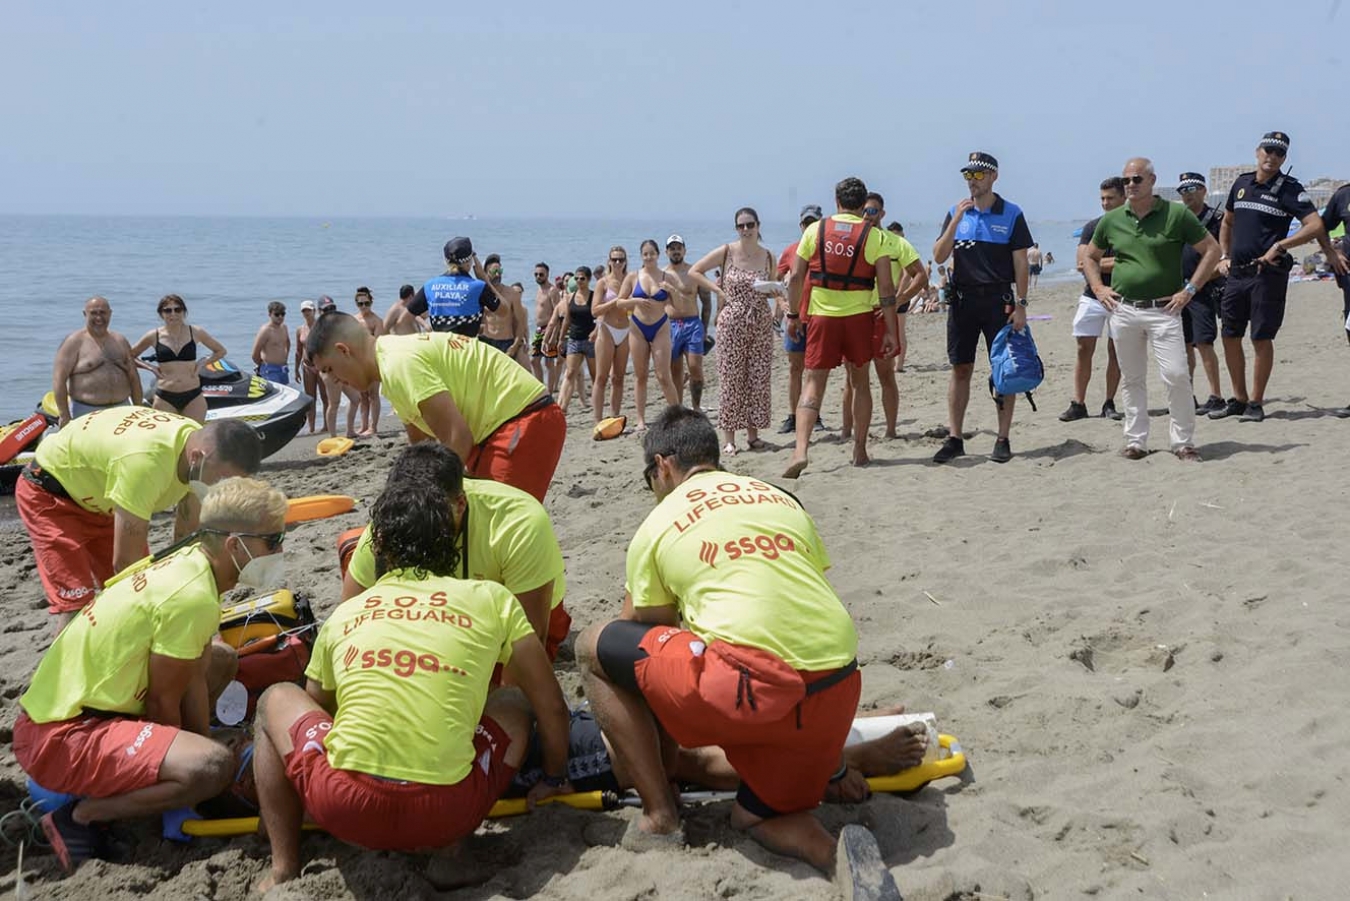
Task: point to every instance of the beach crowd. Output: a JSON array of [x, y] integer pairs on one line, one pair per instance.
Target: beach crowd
[[430, 691]]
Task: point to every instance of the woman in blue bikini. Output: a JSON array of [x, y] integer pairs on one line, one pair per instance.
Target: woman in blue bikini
[[178, 386], [645, 295], [611, 340]]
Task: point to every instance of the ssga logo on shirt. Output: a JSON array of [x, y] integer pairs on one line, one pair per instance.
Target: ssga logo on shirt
[[141, 738]]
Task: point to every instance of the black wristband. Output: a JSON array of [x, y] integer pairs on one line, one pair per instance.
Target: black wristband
[[554, 781], [793, 315], [842, 772]]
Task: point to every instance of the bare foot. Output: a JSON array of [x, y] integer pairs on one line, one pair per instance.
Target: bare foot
[[897, 750], [795, 468], [274, 879], [860, 457], [891, 434], [366, 433]]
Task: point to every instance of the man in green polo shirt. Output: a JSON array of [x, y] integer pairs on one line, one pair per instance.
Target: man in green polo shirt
[[1146, 297]]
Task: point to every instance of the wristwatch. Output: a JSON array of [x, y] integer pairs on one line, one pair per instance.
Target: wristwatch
[[1190, 289], [1022, 302]]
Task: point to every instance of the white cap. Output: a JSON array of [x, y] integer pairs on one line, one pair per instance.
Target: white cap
[[306, 305], [674, 239]]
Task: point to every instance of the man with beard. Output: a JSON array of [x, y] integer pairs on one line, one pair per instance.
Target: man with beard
[[505, 327], [687, 328], [545, 302]]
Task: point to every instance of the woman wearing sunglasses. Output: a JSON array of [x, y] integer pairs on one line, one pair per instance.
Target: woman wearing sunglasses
[[644, 294], [611, 339], [574, 326], [744, 331], [178, 384]]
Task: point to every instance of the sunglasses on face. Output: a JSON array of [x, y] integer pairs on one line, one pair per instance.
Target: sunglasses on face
[[272, 540], [1275, 151], [618, 260], [1132, 179], [870, 211], [1190, 190], [976, 175], [648, 473], [495, 271], [364, 303], [745, 226], [164, 310]]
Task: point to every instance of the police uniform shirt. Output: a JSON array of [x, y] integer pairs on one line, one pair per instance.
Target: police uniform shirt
[[1211, 218], [1086, 238], [985, 241], [1337, 213], [454, 303], [1262, 212]]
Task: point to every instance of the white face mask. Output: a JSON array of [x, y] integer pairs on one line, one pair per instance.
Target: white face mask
[[262, 572], [197, 486]]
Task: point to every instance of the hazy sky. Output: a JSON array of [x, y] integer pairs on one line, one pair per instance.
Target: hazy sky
[[626, 109]]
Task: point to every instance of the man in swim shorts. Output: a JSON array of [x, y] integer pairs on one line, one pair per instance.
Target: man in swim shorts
[[397, 741], [731, 636], [1034, 263], [94, 369], [272, 345], [503, 535], [476, 401], [1092, 320], [88, 497], [505, 327], [687, 333], [117, 712], [544, 361]]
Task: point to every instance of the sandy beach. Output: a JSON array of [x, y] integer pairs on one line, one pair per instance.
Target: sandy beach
[[1145, 661]]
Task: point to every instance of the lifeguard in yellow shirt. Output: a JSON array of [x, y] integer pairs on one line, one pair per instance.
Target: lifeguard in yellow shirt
[[498, 417]]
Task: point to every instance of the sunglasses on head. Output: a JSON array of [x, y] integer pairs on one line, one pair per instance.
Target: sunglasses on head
[[1132, 179], [974, 174], [745, 226]]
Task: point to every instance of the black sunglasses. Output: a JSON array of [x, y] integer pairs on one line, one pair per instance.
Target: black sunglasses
[[365, 303], [163, 310], [743, 226], [648, 473], [1275, 151], [1190, 190], [618, 259], [1132, 179]]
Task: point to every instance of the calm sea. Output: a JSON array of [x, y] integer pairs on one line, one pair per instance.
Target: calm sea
[[227, 269]]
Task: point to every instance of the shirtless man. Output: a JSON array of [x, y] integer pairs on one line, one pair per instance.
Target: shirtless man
[[272, 345], [305, 373], [93, 368], [398, 321], [687, 330], [369, 401], [1034, 261], [505, 327], [545, 302]]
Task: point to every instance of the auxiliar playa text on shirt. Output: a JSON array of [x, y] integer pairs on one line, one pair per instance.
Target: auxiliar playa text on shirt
[[728, 494]]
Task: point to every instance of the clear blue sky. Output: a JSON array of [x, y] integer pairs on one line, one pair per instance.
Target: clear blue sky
[[628, 109]]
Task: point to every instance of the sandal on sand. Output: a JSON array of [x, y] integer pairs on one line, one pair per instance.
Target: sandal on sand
[[860, 874], [729, 449], [634, 839], [758, 444]]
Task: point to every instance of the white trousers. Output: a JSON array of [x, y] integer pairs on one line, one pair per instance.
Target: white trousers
[[1135, 331]]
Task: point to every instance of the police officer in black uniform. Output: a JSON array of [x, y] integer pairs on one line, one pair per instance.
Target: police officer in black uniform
[[1338, 213], [1255, 241], [1200, 319]]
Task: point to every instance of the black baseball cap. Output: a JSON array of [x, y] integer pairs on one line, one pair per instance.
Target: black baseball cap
[[811, 212], [326, 303], [1275, 140], [1190, 180], [457, 249], [980, 161]]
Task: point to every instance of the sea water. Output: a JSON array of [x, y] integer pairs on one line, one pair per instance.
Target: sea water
[[227, 269]]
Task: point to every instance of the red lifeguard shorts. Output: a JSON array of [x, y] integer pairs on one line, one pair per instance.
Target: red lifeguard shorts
[[73, 547], [523, 452], [787, 764], [386, 815], [92, 756], [832, 339]]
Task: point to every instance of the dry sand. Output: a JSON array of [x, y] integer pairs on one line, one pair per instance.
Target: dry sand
[[1145, 661]]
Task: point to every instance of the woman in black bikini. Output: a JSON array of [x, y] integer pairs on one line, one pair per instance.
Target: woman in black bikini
[[575, 323], [178, 387], [644, 294]]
